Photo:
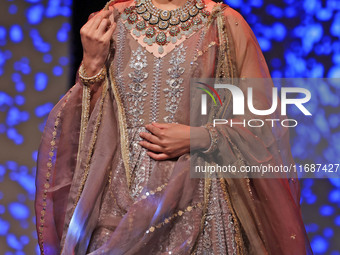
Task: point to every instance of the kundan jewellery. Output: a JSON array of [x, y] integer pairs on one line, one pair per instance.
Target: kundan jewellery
[[164, 26]]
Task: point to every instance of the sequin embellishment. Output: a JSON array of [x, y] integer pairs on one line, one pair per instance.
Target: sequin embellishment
[[174, 90], [136, 97]]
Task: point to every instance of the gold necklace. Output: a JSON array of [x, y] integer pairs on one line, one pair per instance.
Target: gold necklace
[[164, 26]]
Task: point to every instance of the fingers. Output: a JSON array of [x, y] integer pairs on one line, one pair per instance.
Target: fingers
[[150, 137], [109, 32], [161, 125], [112, 16], [154, 130], [103, 27], [106, 27], [156, 156], [150, 146], [97, 19]]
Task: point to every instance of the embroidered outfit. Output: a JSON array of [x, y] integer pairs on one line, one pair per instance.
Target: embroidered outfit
[[98, 192]]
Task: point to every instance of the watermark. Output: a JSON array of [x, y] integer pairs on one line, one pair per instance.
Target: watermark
[[254, 119]]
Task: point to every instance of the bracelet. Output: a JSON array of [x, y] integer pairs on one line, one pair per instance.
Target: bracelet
[[93, 79], [213, 138]]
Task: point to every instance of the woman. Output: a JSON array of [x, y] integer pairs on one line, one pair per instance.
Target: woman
[[114, 165]]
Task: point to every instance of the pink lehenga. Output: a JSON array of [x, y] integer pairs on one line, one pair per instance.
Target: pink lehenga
[[98, 192]]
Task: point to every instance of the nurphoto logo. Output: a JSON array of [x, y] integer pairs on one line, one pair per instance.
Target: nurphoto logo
[[238, 104]]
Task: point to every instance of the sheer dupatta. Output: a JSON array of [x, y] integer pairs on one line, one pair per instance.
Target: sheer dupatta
[[266, 211], [78, 152]]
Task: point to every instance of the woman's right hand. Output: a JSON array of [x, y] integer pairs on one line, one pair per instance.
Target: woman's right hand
[[95, 37]]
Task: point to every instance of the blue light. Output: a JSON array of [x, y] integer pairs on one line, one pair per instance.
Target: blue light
[[38, 42], [274, 11], [335, 182], [328, 232], [16, 77], [290, 12], [20, 86], [276, 62], [47, 58], [63, 61], [321, 123], [335, 27], [256, 3], [35, 155], [13, 242], [12, 165], [337, 221], [2, 173], [312, 227], [324, 14], [18, 211], [334, 72], [23, 169], [41, 81], [26, 181], [334, 196], [264, 43], [15, 136], [311, 199], [14, 116], [16, 34], [57, 70], [276, 74], [4, 227], [235, 3], [5, 99], [62, 34], [43, 110], [24, 240], [311, 6], [22, 65], [319, 244], [12, 9], [278, 31], [54, 9], [3, 33], [326, 210], [19, 100], [35, 14]]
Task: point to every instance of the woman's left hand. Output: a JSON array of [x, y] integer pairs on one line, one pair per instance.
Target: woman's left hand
[[171, 140]]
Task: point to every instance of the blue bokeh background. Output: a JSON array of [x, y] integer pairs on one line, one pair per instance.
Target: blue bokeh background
[[299, 39]]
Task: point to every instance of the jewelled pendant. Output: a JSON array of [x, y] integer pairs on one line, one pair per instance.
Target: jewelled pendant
[[161, 38]]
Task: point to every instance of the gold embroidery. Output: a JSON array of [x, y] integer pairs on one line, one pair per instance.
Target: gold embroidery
[[46, 185], [201, 52], [84, 117], [238, 235], [179, 213], [122, 128], [152, 192]]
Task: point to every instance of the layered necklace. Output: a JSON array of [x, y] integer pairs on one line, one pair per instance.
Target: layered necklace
[[163, 26]]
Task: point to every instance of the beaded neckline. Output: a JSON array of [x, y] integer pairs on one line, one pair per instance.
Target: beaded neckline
[[161, 27]]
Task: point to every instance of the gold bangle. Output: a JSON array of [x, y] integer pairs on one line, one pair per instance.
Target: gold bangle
[[213, 138], [93, 79]]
